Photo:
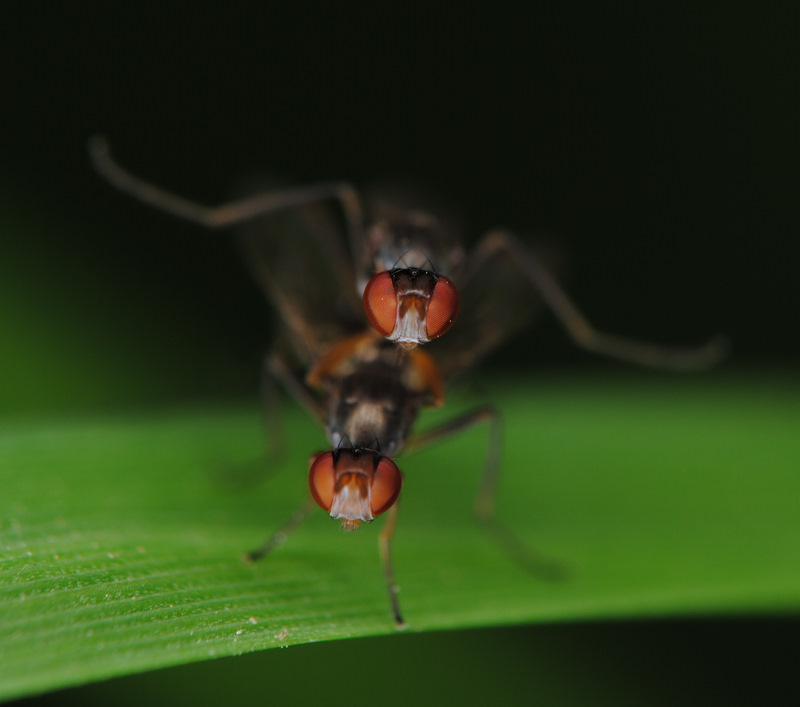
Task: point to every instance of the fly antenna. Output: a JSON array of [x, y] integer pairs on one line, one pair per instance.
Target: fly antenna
[[400, 258]]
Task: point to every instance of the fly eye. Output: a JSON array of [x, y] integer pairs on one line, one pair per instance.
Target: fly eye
[[386, 485], [380, 303], [442, 308], [322, 479]]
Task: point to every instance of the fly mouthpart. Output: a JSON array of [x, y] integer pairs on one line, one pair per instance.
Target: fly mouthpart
[[410, 323], [352, 499], [350, 525]]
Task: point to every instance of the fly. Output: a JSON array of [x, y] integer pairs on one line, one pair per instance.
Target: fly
[[353, 321]]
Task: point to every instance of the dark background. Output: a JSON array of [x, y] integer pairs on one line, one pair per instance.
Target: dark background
[[657, 142]]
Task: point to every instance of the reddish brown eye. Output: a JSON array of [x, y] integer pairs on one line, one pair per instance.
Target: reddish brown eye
[[386, 485], [380, 303], [442, 308], [322, 479]]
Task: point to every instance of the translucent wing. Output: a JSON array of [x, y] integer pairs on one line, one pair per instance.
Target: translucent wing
[[301, 260], [497, 302], [293, 239]]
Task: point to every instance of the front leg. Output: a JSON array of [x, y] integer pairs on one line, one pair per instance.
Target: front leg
[[385, 545]]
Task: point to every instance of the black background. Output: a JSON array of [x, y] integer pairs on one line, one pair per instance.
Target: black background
[[657, 143]]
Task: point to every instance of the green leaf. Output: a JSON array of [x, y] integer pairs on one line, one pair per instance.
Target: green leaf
[[122, 536]]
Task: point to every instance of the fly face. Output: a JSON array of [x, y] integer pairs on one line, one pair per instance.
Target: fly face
[[354, 485], [411, 306], [408, 299]]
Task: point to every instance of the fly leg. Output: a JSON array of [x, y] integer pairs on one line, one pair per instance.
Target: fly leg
[[279, 536], [226, 214], [277, 369], [485, 500], [385, 545], [275, 372], [502, 243], [270, 404]]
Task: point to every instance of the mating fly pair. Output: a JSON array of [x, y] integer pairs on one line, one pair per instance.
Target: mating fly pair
[[367, 384]]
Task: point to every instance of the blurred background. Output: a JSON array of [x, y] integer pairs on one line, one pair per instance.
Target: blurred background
[[656, 143]]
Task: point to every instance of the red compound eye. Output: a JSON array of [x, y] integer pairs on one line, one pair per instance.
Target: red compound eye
[[442, 308], [386, 485], [380, 303], [322, 479]]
